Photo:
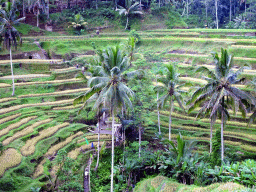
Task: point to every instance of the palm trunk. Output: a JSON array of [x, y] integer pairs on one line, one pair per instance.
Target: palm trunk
[[112, 160], [23, 9], [216, 7], [170, 122], [222, 138], [159, 3], [245, 6], [127, 20], [98, 156], [230, 10], [187, 8], [89, 180], [206, 12], [211, 137], [48, 10], [37, 18], [158, 114], [104, 113], [124, 144], [139, 141], [13, 86], [96, 4]]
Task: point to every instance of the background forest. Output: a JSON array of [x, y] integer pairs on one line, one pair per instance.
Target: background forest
[[231, 14]]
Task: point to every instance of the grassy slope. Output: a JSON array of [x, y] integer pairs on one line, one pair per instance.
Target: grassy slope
[[165, 184]]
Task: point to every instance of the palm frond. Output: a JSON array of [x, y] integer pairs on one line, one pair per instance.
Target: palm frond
[[252, 118], [206, 70]]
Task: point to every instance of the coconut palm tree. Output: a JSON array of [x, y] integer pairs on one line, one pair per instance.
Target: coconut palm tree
[[37, 6], [219, 94], [111, 87], [158, 72], [253, 116], [129, 9], [78, 24], [11, 37], [172, 91]]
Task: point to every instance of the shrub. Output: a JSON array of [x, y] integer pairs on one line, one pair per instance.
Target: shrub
[[175, 21]]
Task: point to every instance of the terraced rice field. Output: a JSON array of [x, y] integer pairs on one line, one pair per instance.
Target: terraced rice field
[[40, 119], [30, 130]]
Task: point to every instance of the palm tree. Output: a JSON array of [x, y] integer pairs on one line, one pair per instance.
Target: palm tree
[[158, 73], [37, 6], [111, 87], [218, 95], [129, 9], [11, 37], [78, 23], [253, 116], [130, 46], [171, 91], [216, 13]]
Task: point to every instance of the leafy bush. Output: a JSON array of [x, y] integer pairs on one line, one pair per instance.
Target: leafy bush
[[180, 164], [135, 34], [175, 21], [244, 172], [194, 21]]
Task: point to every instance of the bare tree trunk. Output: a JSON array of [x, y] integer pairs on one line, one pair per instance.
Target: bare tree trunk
[[23, 8], [222, 137], [159, 3], [96, 4], [206, 12], [90, 162], [230, 10], [98, 156], [127, 20], [245, 6], [13, 85], [216, 7], [211, 137], [139, 141], [48, 9], [158, 114], [124, 144], [187, 8], [112, 156], [170, 122], [37, 18]]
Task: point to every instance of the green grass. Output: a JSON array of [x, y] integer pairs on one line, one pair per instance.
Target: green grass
[[164, 184]]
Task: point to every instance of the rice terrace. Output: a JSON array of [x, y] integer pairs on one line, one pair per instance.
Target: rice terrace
[[125, 95]]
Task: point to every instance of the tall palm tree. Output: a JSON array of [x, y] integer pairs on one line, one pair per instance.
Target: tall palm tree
[[11, 37], [218, 95], [253, 116], [112, 88], [158, 72], [216, 13], [129, 9], [171, 91], [37, 7]]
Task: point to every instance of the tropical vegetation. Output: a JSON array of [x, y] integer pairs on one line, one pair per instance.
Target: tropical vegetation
[[155, 107]]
